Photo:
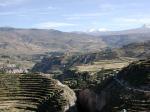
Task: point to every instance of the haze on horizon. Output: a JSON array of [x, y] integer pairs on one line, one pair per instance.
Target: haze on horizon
[[75, 15]]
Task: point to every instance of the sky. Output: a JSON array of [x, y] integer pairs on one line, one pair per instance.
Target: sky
[[75, 15]]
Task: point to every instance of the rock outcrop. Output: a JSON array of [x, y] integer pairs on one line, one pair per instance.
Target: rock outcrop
[[92, 101]]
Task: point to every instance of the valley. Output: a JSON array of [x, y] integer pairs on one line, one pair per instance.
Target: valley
[[74, 56], [100, 78]]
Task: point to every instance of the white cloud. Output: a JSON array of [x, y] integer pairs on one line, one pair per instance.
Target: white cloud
[[85, 15], [53, 25], [7, 13], [82, 16], [26, 12], [23, 13], [14, 13], [116, 7], [134, 20], [4, 3]]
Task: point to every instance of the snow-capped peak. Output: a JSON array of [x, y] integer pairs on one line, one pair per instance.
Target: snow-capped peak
[[98, 30]]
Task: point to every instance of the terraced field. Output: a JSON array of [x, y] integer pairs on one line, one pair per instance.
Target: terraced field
[[32, 93], [135, 86], [103, 64]]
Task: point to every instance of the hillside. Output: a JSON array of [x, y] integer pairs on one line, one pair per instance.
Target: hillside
[[137, 50], [122, 55], [128, 91], [132, 50], [34, 93], [56, 63], [33, 41], [137, 74]]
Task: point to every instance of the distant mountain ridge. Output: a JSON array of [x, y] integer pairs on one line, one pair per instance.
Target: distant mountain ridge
[[124, 37], [142, 29], [15, 40], [34, 41]]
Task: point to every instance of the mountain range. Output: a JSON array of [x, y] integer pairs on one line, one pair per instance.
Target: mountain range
[[34, 41], [124, 37]]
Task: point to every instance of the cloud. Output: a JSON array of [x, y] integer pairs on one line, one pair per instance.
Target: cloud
[[134, 20], [24, 13], [14, 13], [85, 15], [7, 13], [51, 8], [27, 12], [53, 25], [4, 3], [104, 9], [82, 16]]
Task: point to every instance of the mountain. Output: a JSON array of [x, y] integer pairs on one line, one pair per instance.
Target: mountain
[[32, 41], [142, 29], [119, 38]]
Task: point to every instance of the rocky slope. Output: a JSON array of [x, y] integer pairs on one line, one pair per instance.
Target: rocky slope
[[136, 74], [56, 63], [49, 64], [34, 93], [119, 93]]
